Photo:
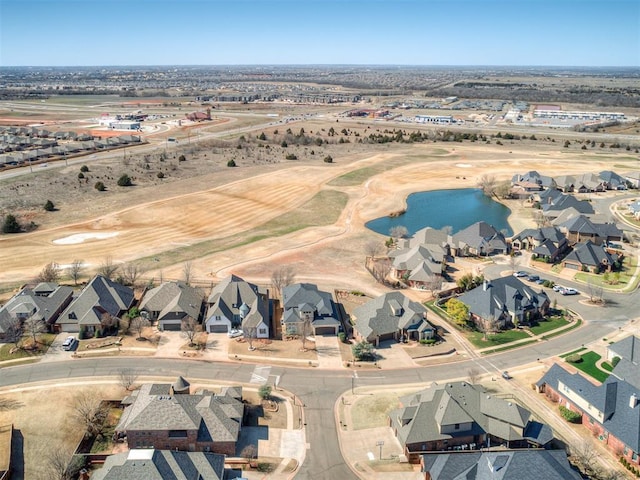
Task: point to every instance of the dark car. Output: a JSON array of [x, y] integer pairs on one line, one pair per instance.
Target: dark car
[[506, 375], [533, 278]]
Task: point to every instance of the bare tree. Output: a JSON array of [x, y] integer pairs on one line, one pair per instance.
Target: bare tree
[[186, 272], [107, 268], [131, 273], [49, 273], [138, 325], [127, 377], [487, 184], [373, 248], [488, 325], [305, 329], [75, 270], [473, 375], [189, 329], [250, 333], [381, 269], [33, 326], [13, 331], [249, 452], [62, 464], [585, 457], [282, 277], [89, 411], [595, 292], [514, 261], [503, 190], [434, 284], [398, 232], [108, 322]]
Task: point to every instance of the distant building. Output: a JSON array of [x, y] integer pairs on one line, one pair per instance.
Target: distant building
[[437, 119]]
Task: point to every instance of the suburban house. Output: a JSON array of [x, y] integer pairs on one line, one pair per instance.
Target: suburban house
[[171, 303], [99, 298], [634, 208], [478, 239], [543, 181], [585, 183], [462, 416], [531, 464], [628, 352], [166, 416], [392, 316], [610, 411], [152, 464], [304, 304], [590, 257], [548, 243], [613, 181], [44, 302], [419, 265], [235, 303], [581, 228], [505, 301], [553, 204]]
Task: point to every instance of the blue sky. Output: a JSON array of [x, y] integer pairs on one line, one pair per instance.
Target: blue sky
[[391, 32]]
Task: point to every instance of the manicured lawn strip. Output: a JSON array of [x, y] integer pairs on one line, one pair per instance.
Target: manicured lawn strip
[[629, 266], [607, 366], [565, 355], [575, 324], [44, 340], [548, 325], [588, 366], [324, 208], [500, 338], [509, 347]]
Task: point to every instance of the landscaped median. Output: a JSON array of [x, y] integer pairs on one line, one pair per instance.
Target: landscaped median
[[587, 362]]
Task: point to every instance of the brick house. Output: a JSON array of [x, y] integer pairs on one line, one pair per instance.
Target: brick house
[[167, 417], [611, 411]]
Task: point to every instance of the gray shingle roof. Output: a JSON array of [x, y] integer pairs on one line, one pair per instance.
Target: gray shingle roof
[[173, 300], [480, 236], [149, 464], [299, 294], [590, 254], [43, 302], [387, 314], [500, 465], [228, 296]]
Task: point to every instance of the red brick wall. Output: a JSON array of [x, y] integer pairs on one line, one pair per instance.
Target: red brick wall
[[161, 440]]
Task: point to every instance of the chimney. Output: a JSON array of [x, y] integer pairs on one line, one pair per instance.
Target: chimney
[[633, 401], [485, 285]]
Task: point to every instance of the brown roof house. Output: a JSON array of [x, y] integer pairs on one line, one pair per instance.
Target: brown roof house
[[460, 416], [165, 416]]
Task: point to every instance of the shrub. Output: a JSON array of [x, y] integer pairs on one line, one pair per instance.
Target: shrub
[[575, 358], [49, 206], [160, 175], [284, 144], [291, 156], [231, 163], [262, 136], [81, 175], [84, 168], [569, 416], [342, 337], [428, 341], [548, 283], [615, 361], [124, 180], [264, 392], [328, 159], [363, 351], [182, 158], [11, 224], [100, 186]]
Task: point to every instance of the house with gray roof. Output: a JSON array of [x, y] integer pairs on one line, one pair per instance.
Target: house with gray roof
[[590, 257], [392, 316], [152, 464], [530, 464], [554, 205], [613, 181], [547, 242], [100, 297], [44, 302], [544, 181], [505, 301], [237, 303], [159, 416], [478, 239], [610, 411], [171, 303], [628, 352], [581, 228], [418, 265], [304, 304], [465, 417]]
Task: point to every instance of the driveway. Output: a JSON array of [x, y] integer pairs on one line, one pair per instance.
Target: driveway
[[391, 354], [328, 352], [56, 353]]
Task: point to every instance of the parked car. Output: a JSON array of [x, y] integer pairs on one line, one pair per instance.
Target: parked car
[[69, 343], [520, 274], [540, 281], [569, 291], [506, 375], [234, 332], [533, 278], [558, 288]]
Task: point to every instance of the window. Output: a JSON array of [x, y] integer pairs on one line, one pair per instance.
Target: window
[[456, 426], [591, 421], [634, 457], [177, 434], [263, 331]]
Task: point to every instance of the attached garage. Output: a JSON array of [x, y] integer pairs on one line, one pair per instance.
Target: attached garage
[[326, 330], [170, 325], [217, 328]]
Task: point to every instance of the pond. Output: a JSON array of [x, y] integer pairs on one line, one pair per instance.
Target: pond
[[441, 208]]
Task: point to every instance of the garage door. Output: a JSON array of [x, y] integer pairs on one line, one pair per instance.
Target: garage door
[[218, 329], [572, 266], [325, 330], [170, 327]]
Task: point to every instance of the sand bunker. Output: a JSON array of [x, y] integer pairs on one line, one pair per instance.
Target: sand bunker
[[463, 165], [81, 237]]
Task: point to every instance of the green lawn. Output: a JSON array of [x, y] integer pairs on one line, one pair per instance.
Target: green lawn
[[493, 340], [629, 266], [509, 347], [547, 325], [588, 366], [44, 340], [579, 350]]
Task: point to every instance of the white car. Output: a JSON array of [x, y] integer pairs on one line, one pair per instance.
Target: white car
[[569, 291], [69, 343], [234, 332]]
